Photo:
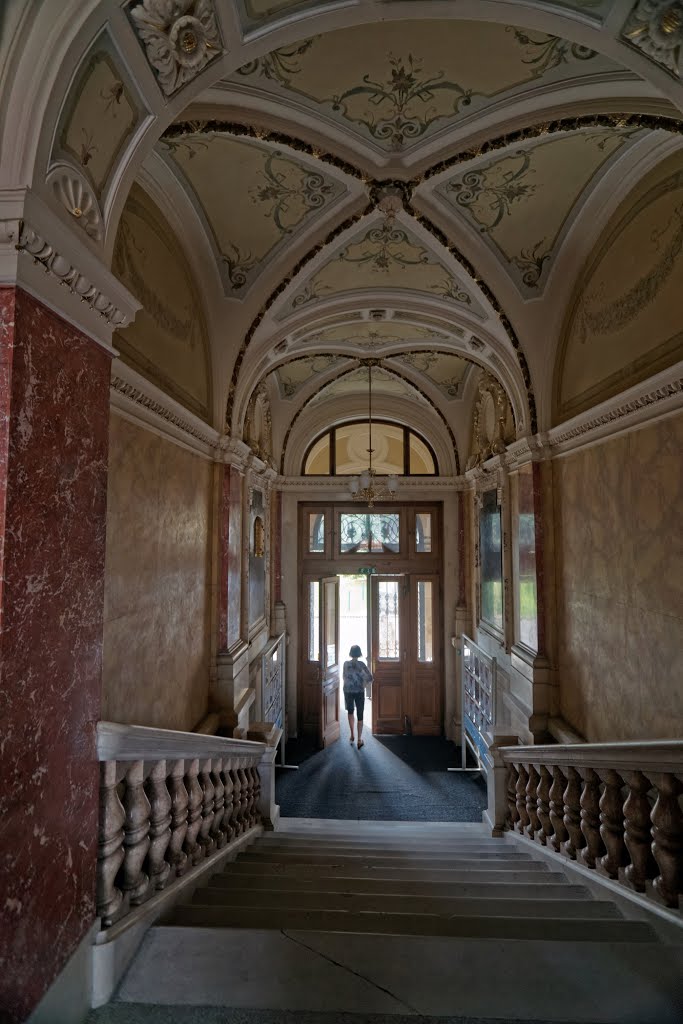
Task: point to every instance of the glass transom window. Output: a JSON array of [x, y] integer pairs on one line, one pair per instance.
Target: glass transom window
[[396, 450]]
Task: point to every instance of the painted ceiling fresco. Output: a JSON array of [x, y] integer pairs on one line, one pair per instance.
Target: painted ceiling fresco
[[398, 84], [254, 197], [99, 116], [292, 377], [373, 336], [356, 383], [521, 201], [441, 368], [626, 321], [383, 256]]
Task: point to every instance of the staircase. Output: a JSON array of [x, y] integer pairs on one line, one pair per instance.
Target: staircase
[[403, 919]]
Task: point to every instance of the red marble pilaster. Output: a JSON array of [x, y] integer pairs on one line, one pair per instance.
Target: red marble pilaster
[[54, 402]]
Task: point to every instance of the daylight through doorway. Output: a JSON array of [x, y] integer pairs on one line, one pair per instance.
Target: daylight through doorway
[[353, 625]]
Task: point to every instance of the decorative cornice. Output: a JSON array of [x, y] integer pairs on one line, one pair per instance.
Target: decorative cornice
[[139, 396], [635, 406], [340, 483], [34, 245]]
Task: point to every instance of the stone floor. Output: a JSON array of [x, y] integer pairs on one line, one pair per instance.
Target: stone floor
[[117, 1013]]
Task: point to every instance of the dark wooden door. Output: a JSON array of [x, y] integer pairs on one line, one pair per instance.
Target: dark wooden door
[[320, 664], [388, 654]]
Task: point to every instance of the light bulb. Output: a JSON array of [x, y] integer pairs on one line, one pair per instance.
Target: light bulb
[[364, 479], [392, 484], [353, 486]]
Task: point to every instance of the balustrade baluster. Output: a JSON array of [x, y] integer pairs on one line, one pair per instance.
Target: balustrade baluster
[[511, 793], [559, 832], [194, 811], [229, 801], [204, 838], [612, 824], [159, 825], [135, 834], [531, 802], [637, 832], [667, 836], [218, 833], [572, 814], [244, 797], [257, 793], [175, 853], [520, 789], [543, 806], [235, 819], [590, 818], [109, 844]]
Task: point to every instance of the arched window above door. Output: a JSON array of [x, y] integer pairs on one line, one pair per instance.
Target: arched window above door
[[343, 451]]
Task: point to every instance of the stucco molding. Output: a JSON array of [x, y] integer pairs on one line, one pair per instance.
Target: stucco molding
[[144, 404]]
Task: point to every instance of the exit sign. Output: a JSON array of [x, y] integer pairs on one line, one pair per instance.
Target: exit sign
[[367, 570]]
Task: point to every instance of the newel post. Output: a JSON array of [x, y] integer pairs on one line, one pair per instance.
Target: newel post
[[266, 806]]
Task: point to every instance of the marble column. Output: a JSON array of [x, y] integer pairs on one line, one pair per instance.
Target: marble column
[[54, 421]]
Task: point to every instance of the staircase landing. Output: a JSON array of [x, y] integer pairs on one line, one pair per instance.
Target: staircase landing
[[330, 918]]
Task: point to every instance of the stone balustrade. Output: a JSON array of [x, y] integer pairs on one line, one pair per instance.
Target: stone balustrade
[[613, 807], [169, 801]]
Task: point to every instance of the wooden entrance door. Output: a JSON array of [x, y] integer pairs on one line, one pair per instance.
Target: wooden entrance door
[[406, 643], [320, 664]]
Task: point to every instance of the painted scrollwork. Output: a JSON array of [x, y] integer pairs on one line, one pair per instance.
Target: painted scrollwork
[[76, 196], [656, 28], [180, 38], [492, 424]]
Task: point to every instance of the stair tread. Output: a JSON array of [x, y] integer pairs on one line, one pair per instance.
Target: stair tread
[[391, 902], [540, 888], [576, 929], [432, 859], [352, 869]]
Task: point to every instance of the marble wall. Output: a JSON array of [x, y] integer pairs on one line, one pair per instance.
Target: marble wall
[[157, 613], [54, 408], [619, 554]]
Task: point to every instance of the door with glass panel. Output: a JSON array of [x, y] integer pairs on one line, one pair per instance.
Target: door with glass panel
[[320, 666], [388, 654], [423, 656]]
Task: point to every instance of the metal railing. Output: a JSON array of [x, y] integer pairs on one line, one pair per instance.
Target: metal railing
[[478, 701]]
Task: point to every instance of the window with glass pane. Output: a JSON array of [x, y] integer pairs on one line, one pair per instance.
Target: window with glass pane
[[526, 561], [330, 624], [388, 620], [316, 533], [421, 462], [377, 532], [423, 532], [490, 541], [318, 458], [314, 621], [351, 448], [425, 621]]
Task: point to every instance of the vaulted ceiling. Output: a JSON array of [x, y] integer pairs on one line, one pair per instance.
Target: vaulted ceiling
[[399, 182]]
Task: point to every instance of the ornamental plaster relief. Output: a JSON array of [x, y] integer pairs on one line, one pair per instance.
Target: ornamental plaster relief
[[656, 28], [180, 38]]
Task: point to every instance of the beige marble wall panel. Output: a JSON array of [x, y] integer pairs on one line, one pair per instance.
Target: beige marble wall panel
[[157, 612], [620, 585]]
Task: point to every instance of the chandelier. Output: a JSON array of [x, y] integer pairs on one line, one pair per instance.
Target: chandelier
[[367, 486]]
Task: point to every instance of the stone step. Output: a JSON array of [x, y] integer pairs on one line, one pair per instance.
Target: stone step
[[543, 886], [381, 857], [522, 870], [576, 930], [391, 902], [276, 841], [299, 972]]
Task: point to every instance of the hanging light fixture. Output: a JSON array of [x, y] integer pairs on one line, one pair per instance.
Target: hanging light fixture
[[367, 486]]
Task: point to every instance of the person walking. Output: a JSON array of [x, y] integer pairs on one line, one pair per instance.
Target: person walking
[[356, 676]]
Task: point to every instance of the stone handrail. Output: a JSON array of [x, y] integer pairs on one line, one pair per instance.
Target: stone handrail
[[168, 802], [613, 807]]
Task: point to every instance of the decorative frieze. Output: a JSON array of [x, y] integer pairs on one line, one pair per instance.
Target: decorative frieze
[[180, 38], [33, 244], [141, 398]]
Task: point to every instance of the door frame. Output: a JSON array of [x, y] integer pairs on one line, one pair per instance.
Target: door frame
[[328, 561]]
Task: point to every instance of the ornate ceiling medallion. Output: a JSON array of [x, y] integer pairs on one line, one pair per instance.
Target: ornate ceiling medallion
[[656, 28], [180, 38]]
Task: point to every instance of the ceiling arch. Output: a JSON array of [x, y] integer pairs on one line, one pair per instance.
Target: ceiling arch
[[399, 114]]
